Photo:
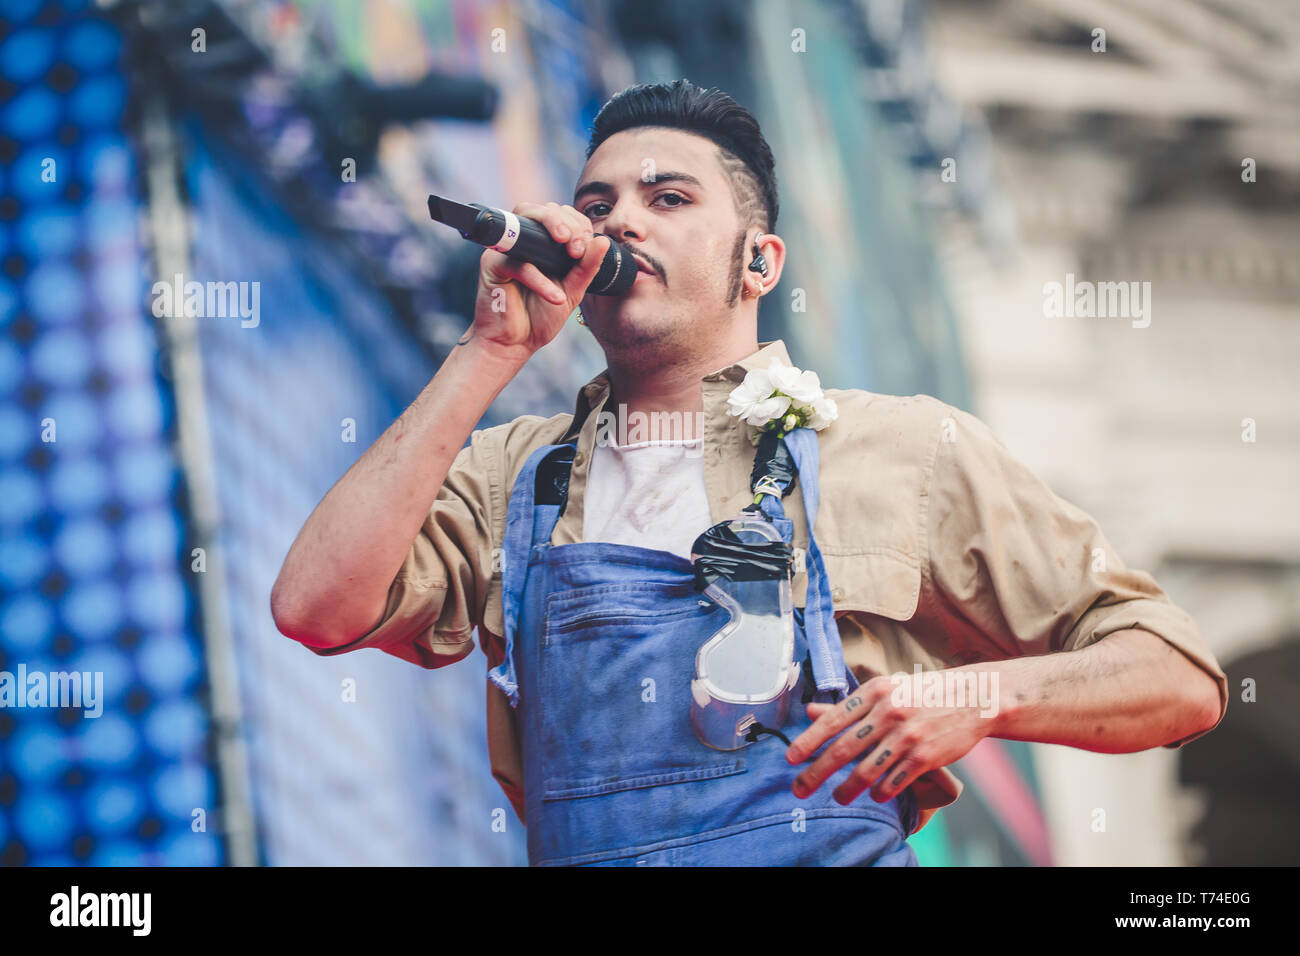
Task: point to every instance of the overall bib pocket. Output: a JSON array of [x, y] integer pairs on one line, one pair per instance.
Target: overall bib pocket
[[615, 667]]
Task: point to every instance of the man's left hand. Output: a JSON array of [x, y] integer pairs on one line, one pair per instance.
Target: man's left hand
[[903, 741]]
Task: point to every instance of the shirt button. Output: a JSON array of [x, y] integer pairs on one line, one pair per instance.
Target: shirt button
[[579, 458], [837, 594]]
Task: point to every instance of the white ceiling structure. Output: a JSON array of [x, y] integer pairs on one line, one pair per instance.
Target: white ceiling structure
[[1167, 62]]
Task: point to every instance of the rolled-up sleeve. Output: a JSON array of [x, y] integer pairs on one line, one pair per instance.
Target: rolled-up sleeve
[[437, 596], [1015, 570]]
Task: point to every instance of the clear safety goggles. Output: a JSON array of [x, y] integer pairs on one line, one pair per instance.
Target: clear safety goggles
[[745, 672]]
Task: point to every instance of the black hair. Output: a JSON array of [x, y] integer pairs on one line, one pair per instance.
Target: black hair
[[745, 155]]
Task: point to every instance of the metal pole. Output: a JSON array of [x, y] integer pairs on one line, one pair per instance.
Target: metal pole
[[169, 226]]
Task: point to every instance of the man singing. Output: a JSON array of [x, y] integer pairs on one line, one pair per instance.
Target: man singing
[[924, 549]]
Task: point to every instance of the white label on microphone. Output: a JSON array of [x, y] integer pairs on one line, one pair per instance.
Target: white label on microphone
[[511, 235]]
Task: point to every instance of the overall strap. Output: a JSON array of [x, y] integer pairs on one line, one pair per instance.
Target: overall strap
[[520, 536], [820, 628]]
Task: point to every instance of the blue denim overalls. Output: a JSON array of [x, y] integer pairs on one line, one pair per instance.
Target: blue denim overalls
[[600, 652]]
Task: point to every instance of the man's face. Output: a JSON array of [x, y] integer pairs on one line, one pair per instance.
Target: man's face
[[664, 193]]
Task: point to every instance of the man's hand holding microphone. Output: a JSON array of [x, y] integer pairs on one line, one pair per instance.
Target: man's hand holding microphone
[[518, 309]]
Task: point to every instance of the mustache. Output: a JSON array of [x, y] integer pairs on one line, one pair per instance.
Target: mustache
[[650, 260]]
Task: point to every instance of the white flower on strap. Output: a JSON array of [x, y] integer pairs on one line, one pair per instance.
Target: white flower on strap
[[781, 398]]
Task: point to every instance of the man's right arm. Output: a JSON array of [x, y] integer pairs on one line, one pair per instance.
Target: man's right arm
[[336, 579], [334, 584]]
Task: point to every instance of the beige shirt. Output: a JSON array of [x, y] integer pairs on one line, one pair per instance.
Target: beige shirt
[[941, 548]]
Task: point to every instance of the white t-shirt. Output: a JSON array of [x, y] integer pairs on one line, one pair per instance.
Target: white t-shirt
[[650, 494]]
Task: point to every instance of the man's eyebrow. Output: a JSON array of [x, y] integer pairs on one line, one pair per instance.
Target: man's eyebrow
[[596, 186]]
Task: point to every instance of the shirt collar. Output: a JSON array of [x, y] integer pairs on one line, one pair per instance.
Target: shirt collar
[[593, 394]]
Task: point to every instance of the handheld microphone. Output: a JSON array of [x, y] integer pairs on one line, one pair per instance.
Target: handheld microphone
[[528, 240]]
